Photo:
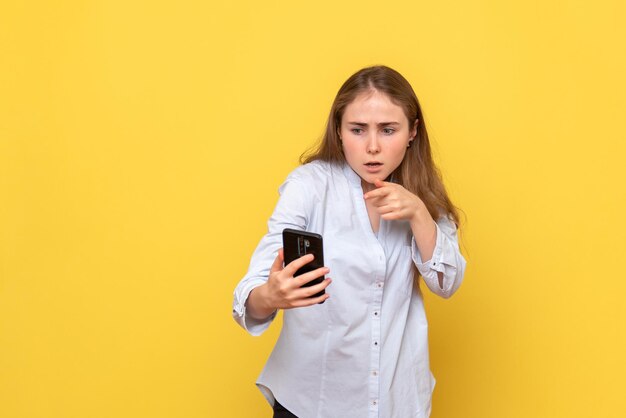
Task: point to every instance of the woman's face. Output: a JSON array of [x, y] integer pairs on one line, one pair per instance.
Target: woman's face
[[375, 135]]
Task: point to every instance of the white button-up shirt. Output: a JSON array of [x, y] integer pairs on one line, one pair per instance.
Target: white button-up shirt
[[364, 352]]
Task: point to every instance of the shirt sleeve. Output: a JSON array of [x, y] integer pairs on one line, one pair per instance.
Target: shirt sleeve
[[447, 259], [290, 212]]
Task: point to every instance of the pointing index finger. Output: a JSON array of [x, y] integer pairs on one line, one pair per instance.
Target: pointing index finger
[[381, 191]]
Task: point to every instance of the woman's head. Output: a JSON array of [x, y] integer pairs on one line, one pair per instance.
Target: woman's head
[[375, 135], [371, 96], [379, 79]]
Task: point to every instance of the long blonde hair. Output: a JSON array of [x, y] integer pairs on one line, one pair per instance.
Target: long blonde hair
[[417, 171]]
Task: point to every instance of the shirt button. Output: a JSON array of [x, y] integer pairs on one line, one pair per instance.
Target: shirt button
[[375, 313], [374, 403], [374, 373], [379, 284], [375, 342]]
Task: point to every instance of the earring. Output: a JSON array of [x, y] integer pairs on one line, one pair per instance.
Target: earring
[[410, 142]]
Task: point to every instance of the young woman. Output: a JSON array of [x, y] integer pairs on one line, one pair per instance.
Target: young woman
[[374, 194]]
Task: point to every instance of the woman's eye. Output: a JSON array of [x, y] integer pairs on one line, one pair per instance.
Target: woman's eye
[[354, 130], [388, 131]]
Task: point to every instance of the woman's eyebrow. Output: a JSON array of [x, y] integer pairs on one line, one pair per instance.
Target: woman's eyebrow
[[379, 124]]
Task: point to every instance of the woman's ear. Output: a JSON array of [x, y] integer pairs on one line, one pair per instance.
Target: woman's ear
[[414, 130]]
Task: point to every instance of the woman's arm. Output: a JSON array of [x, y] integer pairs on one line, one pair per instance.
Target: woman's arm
[[445, 266], [266, 286], [424, 231], [436, 242]]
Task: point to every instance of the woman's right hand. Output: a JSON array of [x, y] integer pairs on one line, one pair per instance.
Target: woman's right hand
[[283, 291]]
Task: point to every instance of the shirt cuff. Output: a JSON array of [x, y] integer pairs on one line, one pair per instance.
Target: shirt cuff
[[442, 261], [252, 325]]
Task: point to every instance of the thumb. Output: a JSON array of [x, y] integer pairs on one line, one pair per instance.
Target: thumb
[[278, 262], [379, 183]]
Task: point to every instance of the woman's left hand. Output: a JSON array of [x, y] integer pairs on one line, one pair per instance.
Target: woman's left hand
[[392, 201]]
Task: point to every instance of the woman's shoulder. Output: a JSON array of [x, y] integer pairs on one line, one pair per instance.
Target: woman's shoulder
[[315, 172]]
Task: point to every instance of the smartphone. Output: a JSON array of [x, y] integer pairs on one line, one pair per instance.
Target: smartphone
[[300, 243]]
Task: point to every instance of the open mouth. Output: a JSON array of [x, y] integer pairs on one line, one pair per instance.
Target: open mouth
[[374, 164]]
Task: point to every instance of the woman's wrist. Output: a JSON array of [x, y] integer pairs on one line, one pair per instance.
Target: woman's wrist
[[424, 231], [421, 217], [257, 304]]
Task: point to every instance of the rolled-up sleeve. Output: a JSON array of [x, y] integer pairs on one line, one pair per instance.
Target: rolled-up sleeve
[[447, 259], [290, 212]]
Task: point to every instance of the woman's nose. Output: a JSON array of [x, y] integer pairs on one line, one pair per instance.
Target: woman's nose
[[373, 145]]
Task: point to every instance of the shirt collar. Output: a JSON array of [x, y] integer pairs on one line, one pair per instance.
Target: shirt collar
[[352, 176]]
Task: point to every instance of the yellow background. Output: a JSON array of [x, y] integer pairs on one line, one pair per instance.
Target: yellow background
[[141, 148]]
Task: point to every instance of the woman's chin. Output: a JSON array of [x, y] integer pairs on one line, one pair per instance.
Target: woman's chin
[[367, 182]]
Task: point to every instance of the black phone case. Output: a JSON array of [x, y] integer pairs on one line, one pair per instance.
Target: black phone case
[[298, 243]]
